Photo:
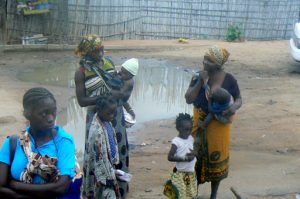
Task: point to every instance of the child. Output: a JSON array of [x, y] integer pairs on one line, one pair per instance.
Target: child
[[220, 101], [100, 180], [127, 72], [183, 182]]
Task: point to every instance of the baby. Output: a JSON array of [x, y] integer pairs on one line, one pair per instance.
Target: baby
[[220, 101]]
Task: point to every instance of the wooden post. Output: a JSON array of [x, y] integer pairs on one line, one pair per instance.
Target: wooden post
[[75, 32], [3, 12]]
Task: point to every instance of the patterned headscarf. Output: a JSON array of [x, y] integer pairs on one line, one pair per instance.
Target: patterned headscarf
[[88, 45], [217, 54]]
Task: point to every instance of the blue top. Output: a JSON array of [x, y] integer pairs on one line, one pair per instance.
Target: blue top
[[65, 153]]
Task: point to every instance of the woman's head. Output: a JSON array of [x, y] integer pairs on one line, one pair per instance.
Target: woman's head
[[106, 107], [184, 124], [40, 108], [215, 58], [90, 45]]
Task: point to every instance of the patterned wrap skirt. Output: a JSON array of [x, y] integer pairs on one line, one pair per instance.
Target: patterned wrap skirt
[[212, 146], [181, 185]]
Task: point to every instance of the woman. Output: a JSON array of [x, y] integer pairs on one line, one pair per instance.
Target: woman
[[90, 85], [213, 156], [101, 181], [44, 156]]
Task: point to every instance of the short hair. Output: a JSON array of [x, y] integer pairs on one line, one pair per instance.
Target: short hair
[[221, 96], [105, 100], [32, 97], [182, 117]]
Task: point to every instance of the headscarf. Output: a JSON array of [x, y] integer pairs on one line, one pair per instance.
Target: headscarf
[[88, 45], [217, 54]]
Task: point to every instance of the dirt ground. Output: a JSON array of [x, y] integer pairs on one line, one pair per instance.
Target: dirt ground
[[265, 138]]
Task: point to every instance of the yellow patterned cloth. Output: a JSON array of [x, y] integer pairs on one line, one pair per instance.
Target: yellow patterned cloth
[[182, 185], [213, 144], [217, 54]]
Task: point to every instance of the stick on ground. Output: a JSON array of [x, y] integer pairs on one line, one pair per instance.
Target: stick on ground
[[237, 195]]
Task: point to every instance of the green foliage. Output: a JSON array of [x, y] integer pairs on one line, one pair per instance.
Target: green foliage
[[234, 33]]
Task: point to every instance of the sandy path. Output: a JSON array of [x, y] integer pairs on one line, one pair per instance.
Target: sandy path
[[265, 137]]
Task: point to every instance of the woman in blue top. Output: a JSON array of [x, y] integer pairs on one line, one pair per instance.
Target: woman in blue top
[[44, 158]]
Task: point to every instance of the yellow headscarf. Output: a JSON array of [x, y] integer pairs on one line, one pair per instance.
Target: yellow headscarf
[[88, 45], [217, 54]]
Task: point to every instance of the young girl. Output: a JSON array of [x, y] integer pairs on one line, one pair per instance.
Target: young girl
[[183, 182], [100, 180], [40, 162]]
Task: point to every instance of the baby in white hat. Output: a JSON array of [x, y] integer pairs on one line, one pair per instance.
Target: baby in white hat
[[131, 66], [128, 70]]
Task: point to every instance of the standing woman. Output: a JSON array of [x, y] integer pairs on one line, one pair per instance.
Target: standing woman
[[213, 156], [90, 85], [39, 164]]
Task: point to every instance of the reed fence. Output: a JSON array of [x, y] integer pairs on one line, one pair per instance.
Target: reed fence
[[69, 20]]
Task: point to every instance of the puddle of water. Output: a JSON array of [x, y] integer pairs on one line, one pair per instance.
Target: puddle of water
[[59, 73], [158, 92]]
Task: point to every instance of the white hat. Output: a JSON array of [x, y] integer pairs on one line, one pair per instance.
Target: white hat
[[131, 65]]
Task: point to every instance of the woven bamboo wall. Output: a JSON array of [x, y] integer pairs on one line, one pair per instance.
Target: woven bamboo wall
[[155, 19]]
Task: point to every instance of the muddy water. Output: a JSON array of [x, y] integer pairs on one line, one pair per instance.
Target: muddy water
[[158, 92]]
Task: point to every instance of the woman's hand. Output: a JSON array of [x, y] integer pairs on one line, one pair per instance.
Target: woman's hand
[[229, 112], [131, 112], [203, 75], [202, 125]]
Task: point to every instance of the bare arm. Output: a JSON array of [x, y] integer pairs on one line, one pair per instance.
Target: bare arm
[[82, 99], [125, 92], [237, 103], [206, 121], [192, 92], [173, 158], [5, 191], [48, 190], [129, 110], [235, 106]]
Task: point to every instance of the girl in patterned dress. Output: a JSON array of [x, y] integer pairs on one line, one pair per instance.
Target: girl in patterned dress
[[183, 183], [102, 153]]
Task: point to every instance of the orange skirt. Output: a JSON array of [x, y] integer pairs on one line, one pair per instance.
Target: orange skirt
[[213, 149]]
